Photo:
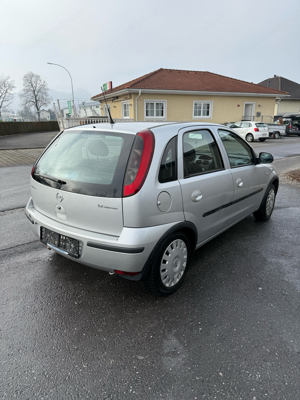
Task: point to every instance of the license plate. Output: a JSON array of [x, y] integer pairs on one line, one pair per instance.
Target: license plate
[[68, 245]]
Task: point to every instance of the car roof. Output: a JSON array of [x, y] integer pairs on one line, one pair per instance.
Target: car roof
[[253, 122], [134, 127]]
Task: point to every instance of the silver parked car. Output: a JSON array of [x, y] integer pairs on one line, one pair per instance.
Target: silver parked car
[[136, 199]]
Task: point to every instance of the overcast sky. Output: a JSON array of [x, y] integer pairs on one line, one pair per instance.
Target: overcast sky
[[117, 40]]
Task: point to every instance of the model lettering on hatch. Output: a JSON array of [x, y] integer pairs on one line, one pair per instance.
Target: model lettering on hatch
[[109, 208]]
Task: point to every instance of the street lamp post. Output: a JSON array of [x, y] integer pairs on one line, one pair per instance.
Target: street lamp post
[[71, 84]]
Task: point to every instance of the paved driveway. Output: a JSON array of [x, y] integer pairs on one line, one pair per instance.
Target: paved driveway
[[231, 332]]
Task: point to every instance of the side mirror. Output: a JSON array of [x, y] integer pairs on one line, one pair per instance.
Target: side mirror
[[265, 158]]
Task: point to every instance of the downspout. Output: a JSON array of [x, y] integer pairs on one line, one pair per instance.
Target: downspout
[[140, 92]]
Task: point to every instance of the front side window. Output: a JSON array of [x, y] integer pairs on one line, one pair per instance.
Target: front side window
[[202, 109], [155, 109], [125, 109], [239, 153], [235, 125], [201, 153]]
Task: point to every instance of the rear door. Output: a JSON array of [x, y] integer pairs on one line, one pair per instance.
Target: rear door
[[207, 187], [244, 129], [78, 181]]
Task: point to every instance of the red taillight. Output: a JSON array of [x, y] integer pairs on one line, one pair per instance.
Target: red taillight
[[139, 162], [256, 130], [290, 126], [126, 273], [32, 170]]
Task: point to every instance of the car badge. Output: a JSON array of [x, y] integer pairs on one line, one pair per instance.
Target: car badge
[[59, 197]]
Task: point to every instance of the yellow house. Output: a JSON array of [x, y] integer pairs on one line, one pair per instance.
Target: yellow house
[[178, 95]]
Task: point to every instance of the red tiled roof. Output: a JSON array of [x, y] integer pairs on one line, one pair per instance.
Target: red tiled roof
[[200, 81]]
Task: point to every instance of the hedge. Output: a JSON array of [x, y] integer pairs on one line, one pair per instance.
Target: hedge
[[12, 128]]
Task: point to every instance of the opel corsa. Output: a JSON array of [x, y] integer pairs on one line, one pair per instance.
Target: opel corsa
[[137, 199]]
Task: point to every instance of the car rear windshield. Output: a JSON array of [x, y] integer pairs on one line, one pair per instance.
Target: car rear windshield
[[261, 125], [86, 162]]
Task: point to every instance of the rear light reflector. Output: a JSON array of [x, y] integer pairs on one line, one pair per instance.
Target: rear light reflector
[[256, 130], [117, 271], [139, 162]]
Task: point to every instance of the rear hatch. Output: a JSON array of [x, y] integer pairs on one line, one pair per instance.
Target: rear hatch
[[263, 129], [78, 181]]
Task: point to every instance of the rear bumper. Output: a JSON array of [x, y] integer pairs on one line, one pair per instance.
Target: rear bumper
[[260, 135], [128, 252]]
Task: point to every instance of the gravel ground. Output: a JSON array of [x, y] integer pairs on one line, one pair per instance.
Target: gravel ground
[[291, 177]]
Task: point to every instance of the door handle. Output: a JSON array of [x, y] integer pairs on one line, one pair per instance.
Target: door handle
[[196, 196], [239, 182]]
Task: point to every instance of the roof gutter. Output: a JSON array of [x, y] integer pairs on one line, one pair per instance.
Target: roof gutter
[[140, 92], [191, 92]]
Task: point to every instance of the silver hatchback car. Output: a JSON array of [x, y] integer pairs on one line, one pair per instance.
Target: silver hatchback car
[[136, 199]]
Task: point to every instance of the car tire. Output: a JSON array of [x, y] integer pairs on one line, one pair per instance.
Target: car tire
[[262, 140], [276, 135], [267, 206], [249, 137], [169, 265]]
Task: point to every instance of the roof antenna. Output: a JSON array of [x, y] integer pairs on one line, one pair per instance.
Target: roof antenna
[[110, 118]]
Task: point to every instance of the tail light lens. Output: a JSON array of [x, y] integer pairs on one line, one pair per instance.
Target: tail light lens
[[139, 162], [256, 130], [32, 170], [290, 126]]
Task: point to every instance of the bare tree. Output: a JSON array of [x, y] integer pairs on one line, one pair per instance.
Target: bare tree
[[7, 86], [35, 92]]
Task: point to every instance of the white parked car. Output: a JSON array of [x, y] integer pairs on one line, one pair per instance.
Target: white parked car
[[251, 130]]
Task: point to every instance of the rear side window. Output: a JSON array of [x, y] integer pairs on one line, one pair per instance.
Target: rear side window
[[201, 153], [168, 165], [85, 162], [245, 125], [261, 125]]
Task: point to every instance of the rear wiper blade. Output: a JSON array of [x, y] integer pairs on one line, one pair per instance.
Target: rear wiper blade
[[51, 179]]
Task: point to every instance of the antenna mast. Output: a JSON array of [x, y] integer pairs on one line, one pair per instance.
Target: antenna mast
[[108, 110]]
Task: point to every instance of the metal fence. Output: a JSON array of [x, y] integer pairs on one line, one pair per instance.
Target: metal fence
[[261, 118], [71, 122]]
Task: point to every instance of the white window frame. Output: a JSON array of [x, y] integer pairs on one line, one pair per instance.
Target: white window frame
[[203, 102], [124, 103], [156, 101]]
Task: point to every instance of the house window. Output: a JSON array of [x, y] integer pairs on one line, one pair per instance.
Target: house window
[[155, 109], [202, 109], [125, 109]]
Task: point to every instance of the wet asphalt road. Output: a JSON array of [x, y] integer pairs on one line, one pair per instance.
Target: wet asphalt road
[[232, 331]]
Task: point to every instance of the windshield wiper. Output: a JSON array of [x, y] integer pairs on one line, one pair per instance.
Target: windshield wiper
[[51, 179]]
